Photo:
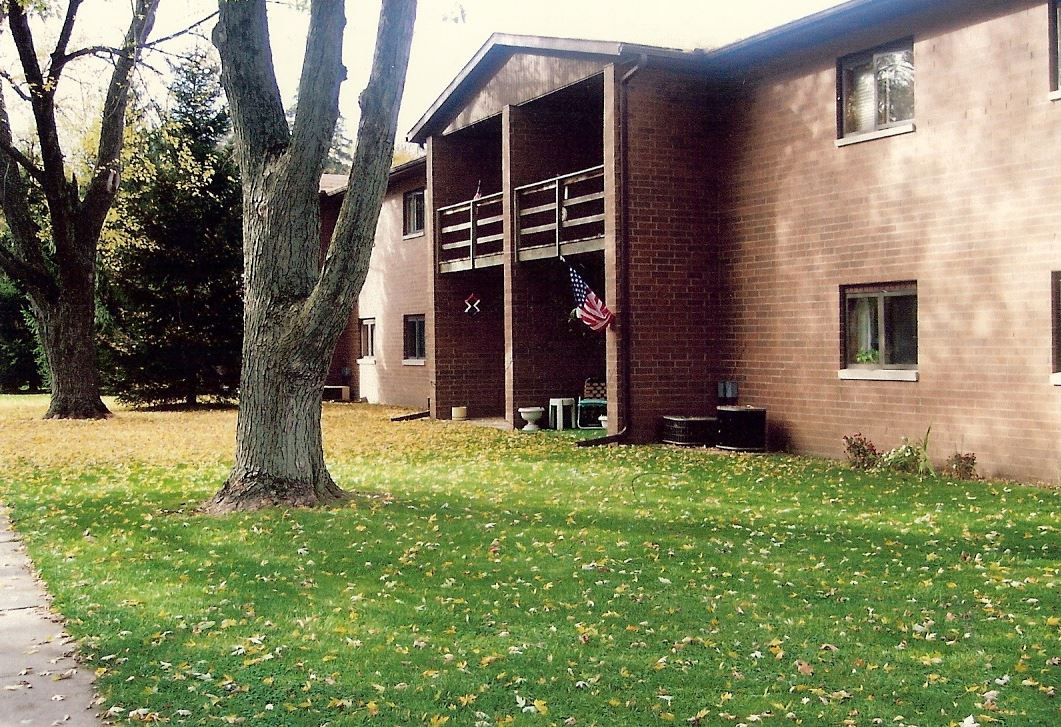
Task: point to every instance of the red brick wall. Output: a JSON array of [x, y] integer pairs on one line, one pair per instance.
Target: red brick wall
[[466, 355], [549, 357], [672, 234], [967, 206], [396, 286], [473, 159], [348, 346]]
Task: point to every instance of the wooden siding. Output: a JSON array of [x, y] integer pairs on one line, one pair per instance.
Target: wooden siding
[[523, 77]]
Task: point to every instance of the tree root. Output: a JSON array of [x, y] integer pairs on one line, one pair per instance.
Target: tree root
[[92, 408], [254, 491]]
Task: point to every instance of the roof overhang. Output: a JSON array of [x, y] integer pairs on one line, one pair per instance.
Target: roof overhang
[[500, 46], [333, 185], [738, 57], [806, 32]]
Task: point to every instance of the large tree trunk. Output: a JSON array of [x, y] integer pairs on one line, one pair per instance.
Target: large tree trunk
[[67, 330], [295, 307], [279, 450], [279, 454]]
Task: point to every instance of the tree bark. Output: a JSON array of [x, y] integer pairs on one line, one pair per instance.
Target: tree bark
[[293, 310], [67, 333], [280, 458], [279, 450], [60, 281]]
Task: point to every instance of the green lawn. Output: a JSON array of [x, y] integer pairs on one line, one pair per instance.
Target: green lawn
[[515, 579]]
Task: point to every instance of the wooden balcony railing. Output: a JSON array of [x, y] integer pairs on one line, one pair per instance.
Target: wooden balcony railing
[[556, 214], [553, 216], [470, 234]]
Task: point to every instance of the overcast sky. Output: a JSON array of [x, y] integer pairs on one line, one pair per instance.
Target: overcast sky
[[448, 32]]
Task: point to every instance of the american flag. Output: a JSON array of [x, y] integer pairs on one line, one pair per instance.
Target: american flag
[[588, 307]]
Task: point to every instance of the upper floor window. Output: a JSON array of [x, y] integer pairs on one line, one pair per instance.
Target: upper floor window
[[1055, 321], [413, 213], [1055, 46], [880, 326], [876, 89], [368, 338], [415, 338]]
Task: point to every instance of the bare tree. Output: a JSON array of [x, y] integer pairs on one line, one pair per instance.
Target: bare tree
[[56, 267], [295, 308]]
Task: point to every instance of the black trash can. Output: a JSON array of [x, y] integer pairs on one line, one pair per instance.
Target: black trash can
[[742, 428]]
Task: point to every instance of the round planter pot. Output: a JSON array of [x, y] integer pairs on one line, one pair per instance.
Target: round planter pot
[[531, 415]]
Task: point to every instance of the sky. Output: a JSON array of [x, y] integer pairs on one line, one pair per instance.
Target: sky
[[447, 35]]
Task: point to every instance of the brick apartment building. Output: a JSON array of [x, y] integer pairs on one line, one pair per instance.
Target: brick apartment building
[[854, 216], [382, 354]]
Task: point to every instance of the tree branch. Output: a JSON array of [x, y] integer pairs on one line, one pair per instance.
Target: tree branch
[[59, 57], [25, 261], [42, 99], [36, 281], [346, 264], [242, 38], [179, 33], [318, 88], [22, 160], [104, 184], [95, 50], [14, 86]]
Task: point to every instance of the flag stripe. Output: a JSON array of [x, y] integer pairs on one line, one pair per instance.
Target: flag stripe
[[590, 309]]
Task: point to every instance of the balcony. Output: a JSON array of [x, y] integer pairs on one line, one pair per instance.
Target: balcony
[[562, 215], [559, 216], [470, 234]]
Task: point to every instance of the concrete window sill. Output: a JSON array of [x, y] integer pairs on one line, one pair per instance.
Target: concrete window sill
[[874, 135], [1055, 379], [414, 362], [877, 374], [368, 360], [1055, 95], [413, 235]]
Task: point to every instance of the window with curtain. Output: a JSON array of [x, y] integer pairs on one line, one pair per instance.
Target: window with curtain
[[413, 213], [368, 338], [880, 326], [876, 89]]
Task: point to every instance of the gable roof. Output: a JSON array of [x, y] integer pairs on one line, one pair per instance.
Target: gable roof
[[801, 33], [500, 46]]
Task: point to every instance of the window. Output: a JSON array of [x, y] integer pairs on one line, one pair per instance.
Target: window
[[876, 89], [1055, 49], [368, 338], [1055, 318], [413, 213], [415, 338], [879, 327]]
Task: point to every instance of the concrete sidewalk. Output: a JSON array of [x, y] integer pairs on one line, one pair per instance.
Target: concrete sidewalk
[[41, 684]]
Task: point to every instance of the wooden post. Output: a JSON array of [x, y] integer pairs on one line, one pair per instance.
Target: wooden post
[[436, 233], [559, 216], [471, 231]]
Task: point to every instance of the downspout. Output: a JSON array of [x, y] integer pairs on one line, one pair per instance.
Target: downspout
[[624, 257]]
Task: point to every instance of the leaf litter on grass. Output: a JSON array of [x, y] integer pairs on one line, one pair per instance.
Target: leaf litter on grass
[[518, 580]]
